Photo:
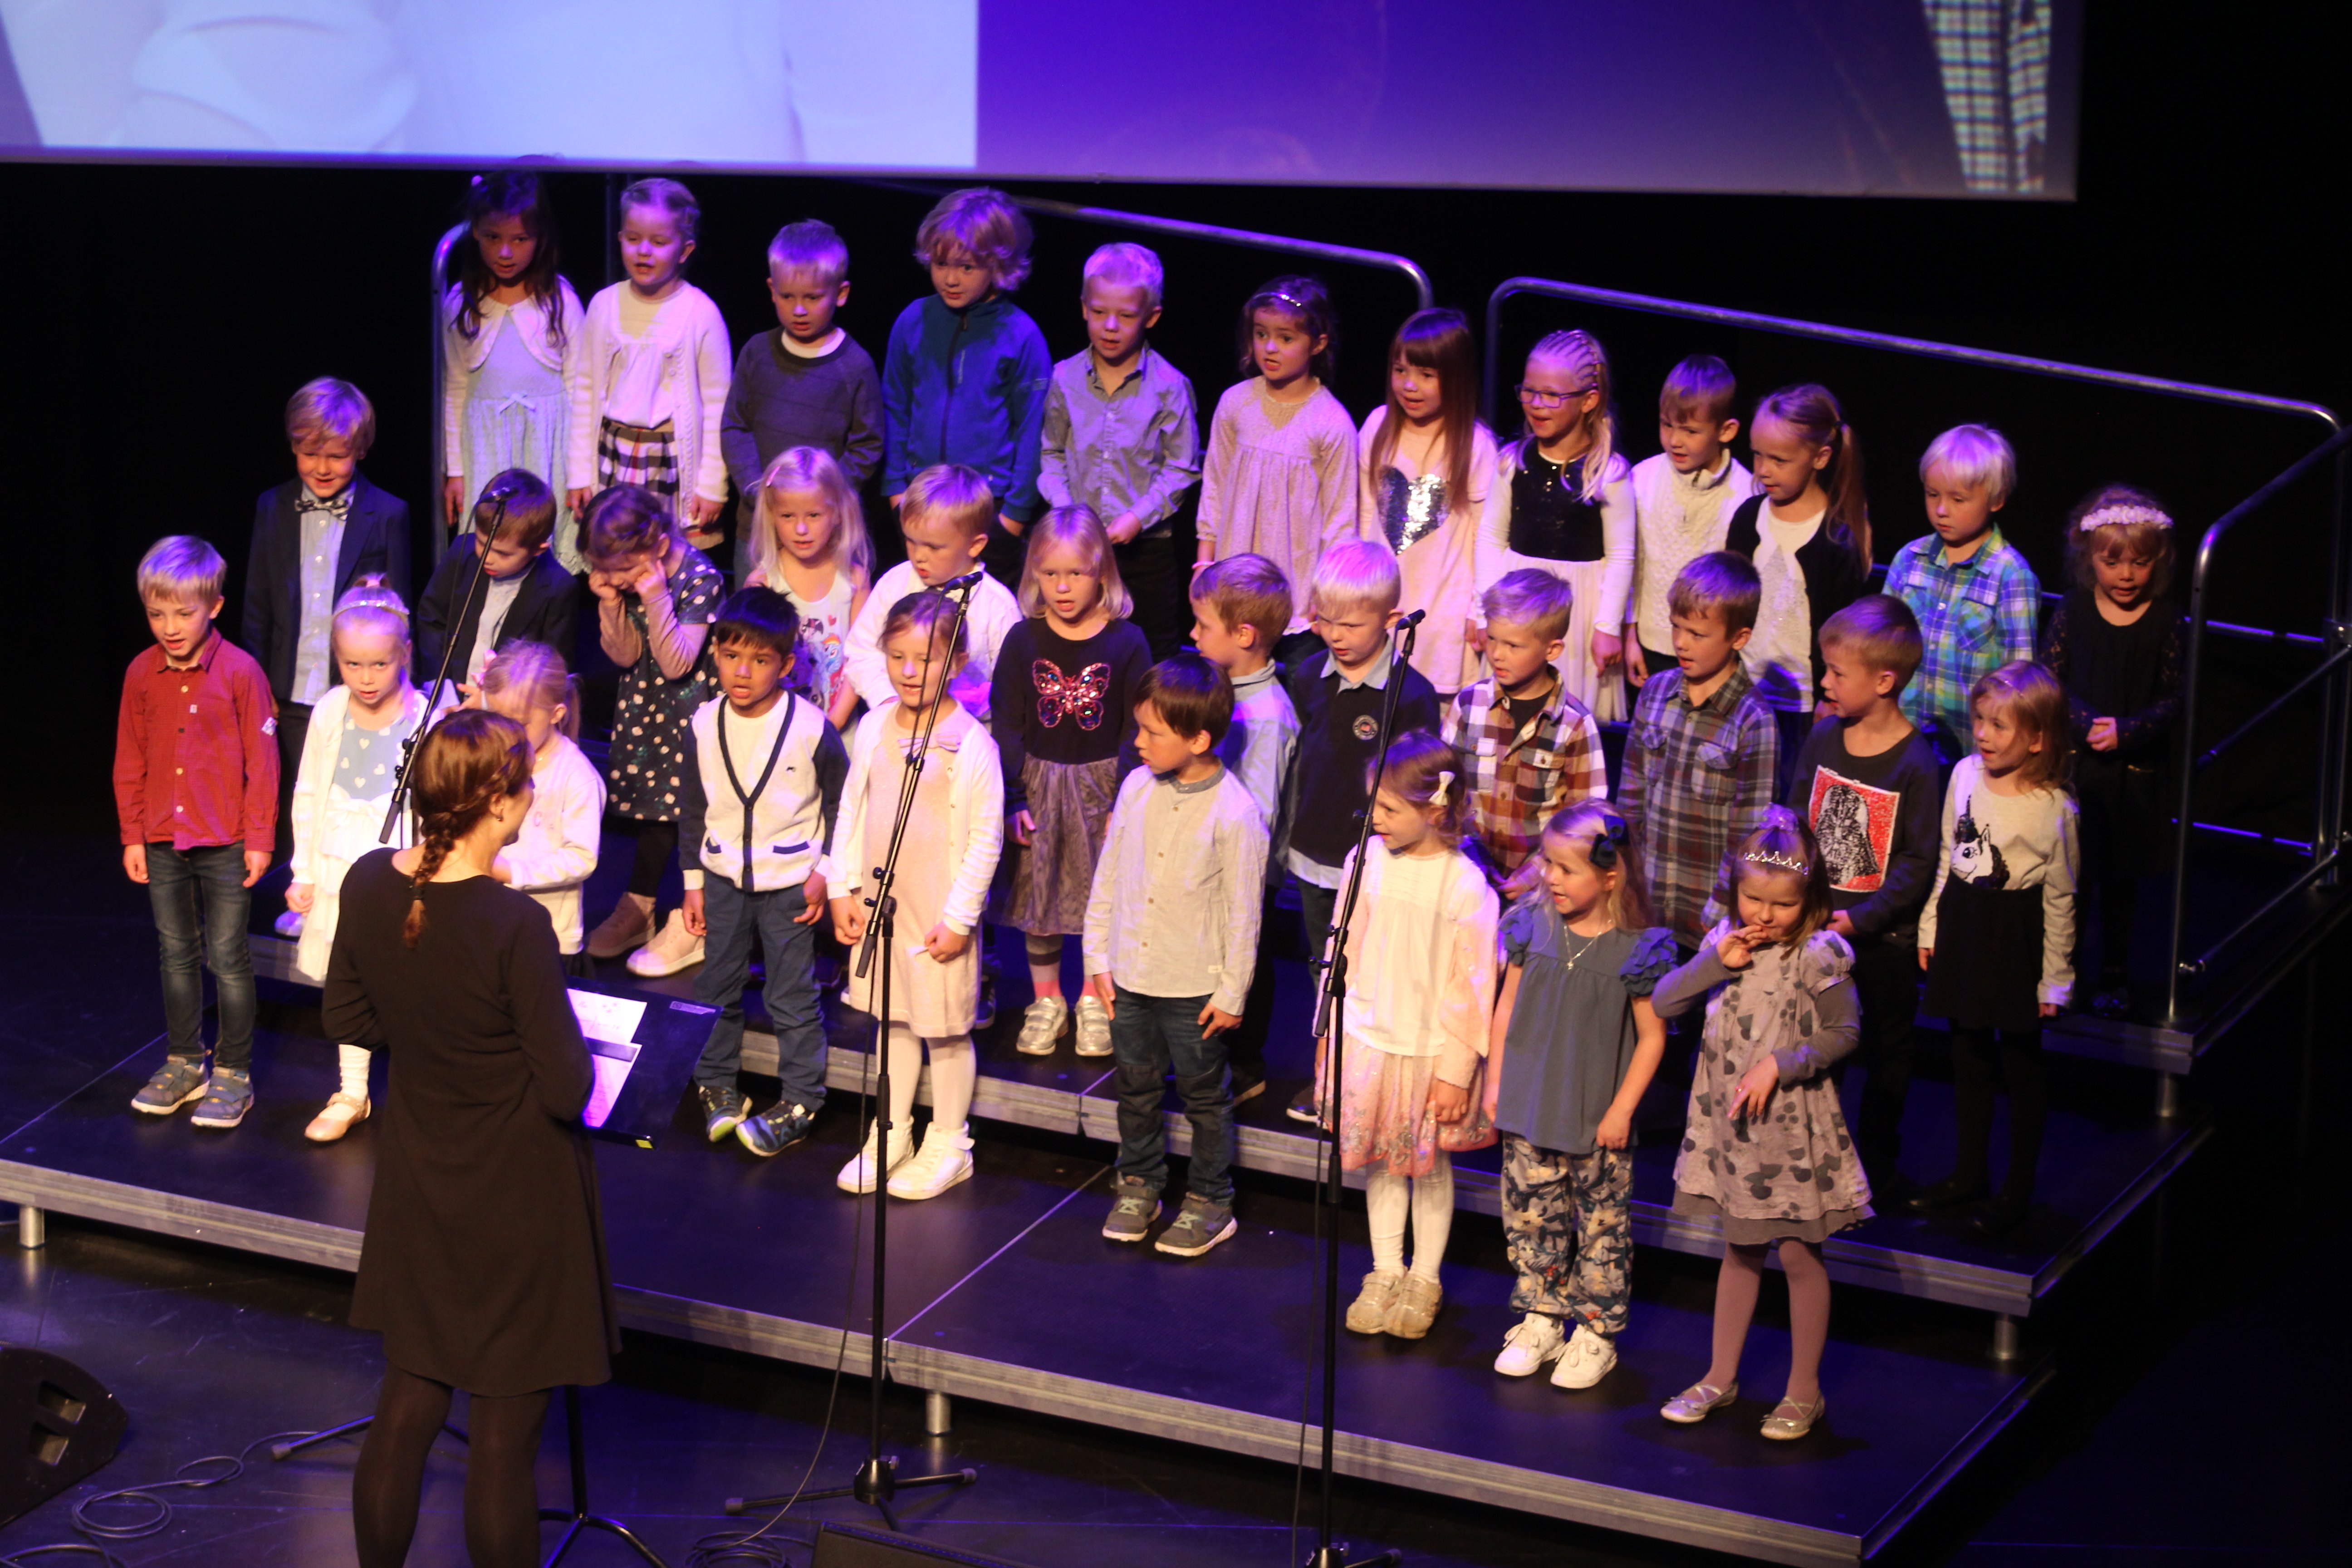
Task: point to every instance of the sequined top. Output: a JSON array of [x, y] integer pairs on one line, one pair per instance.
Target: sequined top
[[1411, 509]]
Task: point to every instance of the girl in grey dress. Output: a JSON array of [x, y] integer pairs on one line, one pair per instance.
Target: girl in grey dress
[[1766, 1149]]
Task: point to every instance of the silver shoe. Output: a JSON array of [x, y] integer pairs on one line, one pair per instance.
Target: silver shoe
[[1042, 1027], [1696, 1403], [1800, 1419]]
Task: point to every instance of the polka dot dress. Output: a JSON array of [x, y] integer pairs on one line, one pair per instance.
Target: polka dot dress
[[651, 747]]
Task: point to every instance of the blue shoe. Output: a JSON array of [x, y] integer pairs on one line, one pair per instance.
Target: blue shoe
[[179, 1081], [227, 1098], [783, 1126], [723, 1110]]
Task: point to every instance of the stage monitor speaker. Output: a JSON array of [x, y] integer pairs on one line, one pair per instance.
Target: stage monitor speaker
[[846, 1546], [70, 1427]]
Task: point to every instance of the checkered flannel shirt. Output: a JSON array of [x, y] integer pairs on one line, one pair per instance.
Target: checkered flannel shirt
[[1518, 778], [1975, 615], [1694, 783]]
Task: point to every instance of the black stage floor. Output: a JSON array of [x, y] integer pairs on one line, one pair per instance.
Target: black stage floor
[[1004, 1290]]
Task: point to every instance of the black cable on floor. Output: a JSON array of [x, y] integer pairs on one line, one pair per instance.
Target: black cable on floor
[[153, 1522]]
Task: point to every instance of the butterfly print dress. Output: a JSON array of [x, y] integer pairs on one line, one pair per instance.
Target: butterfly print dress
[[1064, 714]]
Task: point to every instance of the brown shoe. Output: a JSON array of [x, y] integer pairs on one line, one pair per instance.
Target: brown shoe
[[625, 929]]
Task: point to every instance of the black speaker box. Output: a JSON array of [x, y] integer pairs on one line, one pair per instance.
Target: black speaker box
[[69, 1426], [846, 1546]]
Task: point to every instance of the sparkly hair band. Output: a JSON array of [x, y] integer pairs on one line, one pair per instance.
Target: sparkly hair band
[[2124, 517], [1445, 785], [1778, 861], [1297, 307]]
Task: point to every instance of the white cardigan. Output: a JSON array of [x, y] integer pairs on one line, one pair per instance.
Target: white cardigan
[[331, 829], [557, 849], [462, 356], [975, 816], [698, 364], [1617, 513]]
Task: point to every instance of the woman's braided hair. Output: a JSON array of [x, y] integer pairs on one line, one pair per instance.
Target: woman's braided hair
[[466, 761]]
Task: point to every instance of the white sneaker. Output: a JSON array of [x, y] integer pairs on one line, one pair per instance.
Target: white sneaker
[[1533, 1340], [1586, 1360], [289, 924], [940, 1165], [629, 924], [670, 951], [1042, 1026], [857, 1176], [1094, 1027]]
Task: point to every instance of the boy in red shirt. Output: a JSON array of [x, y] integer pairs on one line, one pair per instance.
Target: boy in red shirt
[[195, 788]]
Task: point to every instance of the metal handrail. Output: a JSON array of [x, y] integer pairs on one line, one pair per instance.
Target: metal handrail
[[441, 531], [2335, 716], [1215, 234], [2319, 671]]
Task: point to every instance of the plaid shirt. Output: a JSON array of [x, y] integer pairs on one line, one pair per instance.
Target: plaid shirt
[[1518, 778], [1975, 615], [1696, 782]]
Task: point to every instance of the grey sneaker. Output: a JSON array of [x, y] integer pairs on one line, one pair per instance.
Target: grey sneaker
[[723, 1109], [1200, 1226], [783, 1125], [179, 1081], [1130, 1217], [227, 1098]]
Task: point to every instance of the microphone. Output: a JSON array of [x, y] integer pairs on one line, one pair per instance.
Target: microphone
[[1414, 619], [964, 584]]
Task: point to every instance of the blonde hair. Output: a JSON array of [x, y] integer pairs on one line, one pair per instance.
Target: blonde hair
[[928, 612], [1812, 410], [983, 223], [951, 488], [1357, 575], [1580, 353], [1125, 265], [1701, 385], [1881, 631], [2035, 703], [1423, 770], [1535, 599], [668, 196], [1718, 583], [328, 409], [1782, 845], [1585, 827], [1245, 590], [1974, 455], [812, 468], [809, 246], [181, 567], [537, 677], [369, 605], [1082, 530]]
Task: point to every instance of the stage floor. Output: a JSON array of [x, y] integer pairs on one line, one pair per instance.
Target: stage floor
[[1004, 1290]]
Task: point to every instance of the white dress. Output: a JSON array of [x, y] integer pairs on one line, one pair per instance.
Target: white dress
[[504, 400], [557, 849], [336, 818]]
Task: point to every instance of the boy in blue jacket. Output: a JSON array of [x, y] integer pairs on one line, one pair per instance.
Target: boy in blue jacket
[[964, 378]]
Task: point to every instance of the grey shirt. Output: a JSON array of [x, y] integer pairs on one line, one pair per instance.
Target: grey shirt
[[1174, 910], [1259, 747], [322, 548], [1135, 449], [1571, 1034]]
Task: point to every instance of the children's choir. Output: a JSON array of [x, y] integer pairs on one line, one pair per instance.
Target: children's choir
[[1825, 793]]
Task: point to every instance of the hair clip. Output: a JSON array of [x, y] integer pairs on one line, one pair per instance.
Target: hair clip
[[1604, 853], [1777, 861], [1298, 306], [2122, 516], [1445, 785]]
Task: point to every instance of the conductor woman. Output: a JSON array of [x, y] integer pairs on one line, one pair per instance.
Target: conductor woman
[[484, 1262]]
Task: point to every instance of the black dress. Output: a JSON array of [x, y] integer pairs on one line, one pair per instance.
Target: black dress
[[484, 1263]]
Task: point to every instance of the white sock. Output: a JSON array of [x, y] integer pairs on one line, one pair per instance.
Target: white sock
[[1433, 1216], [955, 1070], [905, 1077], [1386, 1196], [352, 1061]]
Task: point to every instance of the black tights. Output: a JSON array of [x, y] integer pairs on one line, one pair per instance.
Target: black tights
[[501, 1449], [656, 847], [2019, 1052]]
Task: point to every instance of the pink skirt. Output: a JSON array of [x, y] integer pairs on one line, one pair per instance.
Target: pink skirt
[[1385, 1122]]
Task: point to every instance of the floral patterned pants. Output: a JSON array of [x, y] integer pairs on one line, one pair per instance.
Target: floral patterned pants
[[1548, 1200]]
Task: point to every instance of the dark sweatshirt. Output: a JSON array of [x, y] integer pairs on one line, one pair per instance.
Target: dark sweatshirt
[[1878, 820]]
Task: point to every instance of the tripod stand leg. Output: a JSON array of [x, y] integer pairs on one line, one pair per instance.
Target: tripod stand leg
[[580, 1518]]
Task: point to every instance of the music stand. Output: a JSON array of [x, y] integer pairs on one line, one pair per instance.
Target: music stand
[[580, 1518]]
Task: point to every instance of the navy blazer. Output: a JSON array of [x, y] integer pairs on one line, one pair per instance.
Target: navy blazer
[[545, 610], [376, 539]]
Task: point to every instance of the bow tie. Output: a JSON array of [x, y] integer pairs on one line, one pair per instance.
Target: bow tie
[[338, 506]]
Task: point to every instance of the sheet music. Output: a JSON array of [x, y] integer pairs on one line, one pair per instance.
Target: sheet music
[[610, 1023]]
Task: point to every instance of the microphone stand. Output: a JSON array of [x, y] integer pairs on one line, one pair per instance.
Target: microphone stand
[[1330, 1026], [400, 783], [877, 1479]]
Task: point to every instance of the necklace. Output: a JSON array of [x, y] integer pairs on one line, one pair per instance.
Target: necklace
[[1588, 941]]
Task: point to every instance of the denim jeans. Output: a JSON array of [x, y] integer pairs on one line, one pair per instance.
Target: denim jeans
[[1148, 1036], [200, 902], [730, 914]]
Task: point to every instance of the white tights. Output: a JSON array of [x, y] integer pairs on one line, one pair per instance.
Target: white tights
[[1389, 1197], [955, 1068], [351, 1066]]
